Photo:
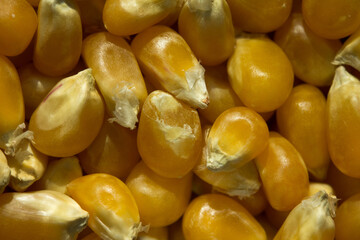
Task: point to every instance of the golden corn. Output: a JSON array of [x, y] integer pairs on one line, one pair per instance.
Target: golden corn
[[4, 172]]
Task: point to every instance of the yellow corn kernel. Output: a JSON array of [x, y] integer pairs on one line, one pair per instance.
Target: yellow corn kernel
[[237, 136], [349, 54], [114, 151], [207, 27], [261, 86], [161, 201], [175, 231], [168, 62], [315, 187], [59, 37], [27, 165], [255, 203], [309, 54], [111, 206], [343, 122], [302, 120], [259, 16], [4, 172], [35, 87], [169, 135], [58, 174], [69, 117], [344, 186], [215, 216], [118, 76], [18, 22], [40, 215], [332, 19], [91, 15], [11, 98], [220, 92], [291, 183], [173, 15], [348, 218], [238, 181], [155, 233], [127, 17], [311, 219]]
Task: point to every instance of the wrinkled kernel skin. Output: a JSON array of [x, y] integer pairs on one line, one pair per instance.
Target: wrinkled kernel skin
[[302, 120], [309, 54], [259, 16], [347, 220], [333, 19], [283, 173], [161, 201], [215, 216], [18, 23], [169, 135], [11, 98], [260, 85]]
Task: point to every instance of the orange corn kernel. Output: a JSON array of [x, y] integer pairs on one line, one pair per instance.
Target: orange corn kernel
[[40, 215], [122, 17], [220, 92], [11, 98], [58, 174], [343, 122], [256, 203], [4, 172], [169, 135], [167, 60], [309, 54], [332, 19], [69, 117], [207, 27], [114, 151], [261, 86], [118, 76], [111, 206], [259, 16], [302, 120], [347, 219], [155, 233], [275, 217], [18, 23], [291, 183], [161, 201], [214, 216], [315, 187], [237, 136], [59, 37]]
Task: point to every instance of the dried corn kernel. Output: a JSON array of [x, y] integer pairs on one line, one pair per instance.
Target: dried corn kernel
[[309, 54], [18, 23], [4, 172], [237, 136], [40, 215], [123, 17], [12, 104], [118, 76], [311, 219], [112, 208], [332, 19], [173, 15], [161, 201], [343, 126], [291, 182], [261, 86], [214, 216], [69, 117], [220, 92], [259, 16], [168, 62], [348, 218], [59, 37], [169, 135], [114, 151], [207, 27], [58, 174], [316, 187], [159, 233], [302, 120], [255, 203], [349, 54]]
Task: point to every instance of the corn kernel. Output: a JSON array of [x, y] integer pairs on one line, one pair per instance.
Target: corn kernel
[[349, 54], [4, 172], [159, 233]]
